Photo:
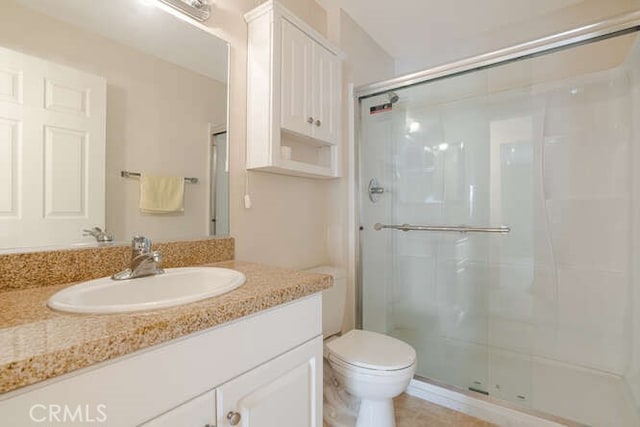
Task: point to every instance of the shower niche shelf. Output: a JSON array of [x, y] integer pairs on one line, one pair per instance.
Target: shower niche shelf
[[293, 94]]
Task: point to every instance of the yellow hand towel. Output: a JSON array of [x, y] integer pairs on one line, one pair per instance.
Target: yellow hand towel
[[161, 194]]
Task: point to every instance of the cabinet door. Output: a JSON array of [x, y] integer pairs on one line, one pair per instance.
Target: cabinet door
[[296, 80], [198, 412], [285, 392], [325, 95]]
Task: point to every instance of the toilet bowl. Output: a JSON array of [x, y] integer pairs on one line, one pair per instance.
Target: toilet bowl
[[364, 370], [373, 368]]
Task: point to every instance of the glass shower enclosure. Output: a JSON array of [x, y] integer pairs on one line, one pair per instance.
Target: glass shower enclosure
[[536, 301]]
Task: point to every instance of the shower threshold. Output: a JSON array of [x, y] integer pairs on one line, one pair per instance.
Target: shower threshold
[[482, 405]]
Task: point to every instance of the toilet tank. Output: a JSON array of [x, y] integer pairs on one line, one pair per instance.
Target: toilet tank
[[333, 299]]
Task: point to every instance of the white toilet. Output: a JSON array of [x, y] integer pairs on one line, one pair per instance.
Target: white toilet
[[365, 370]]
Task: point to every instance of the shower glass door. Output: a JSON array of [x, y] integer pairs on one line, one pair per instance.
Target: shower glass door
[[445, 158], [540, 315]]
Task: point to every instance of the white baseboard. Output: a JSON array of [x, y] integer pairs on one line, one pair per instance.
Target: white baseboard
[[502, 416]]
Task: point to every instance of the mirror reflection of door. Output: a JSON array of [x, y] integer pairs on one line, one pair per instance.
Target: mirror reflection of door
[[219, 224], [52, 151]]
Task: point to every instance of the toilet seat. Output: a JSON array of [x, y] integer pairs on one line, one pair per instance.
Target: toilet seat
[[359, 372], [371, 351]]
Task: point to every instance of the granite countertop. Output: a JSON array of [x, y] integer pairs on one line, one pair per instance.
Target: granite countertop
[[37, 343]]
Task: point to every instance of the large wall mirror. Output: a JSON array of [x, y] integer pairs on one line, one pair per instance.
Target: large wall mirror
[[92, 89]]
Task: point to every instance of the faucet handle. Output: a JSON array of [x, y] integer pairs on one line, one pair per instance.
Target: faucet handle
[[92, 232], [140, 245], [100, 236]]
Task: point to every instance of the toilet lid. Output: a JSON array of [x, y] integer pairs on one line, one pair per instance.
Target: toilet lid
[[372, 350]]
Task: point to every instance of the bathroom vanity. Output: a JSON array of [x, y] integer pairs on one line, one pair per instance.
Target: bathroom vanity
[[252, 357]]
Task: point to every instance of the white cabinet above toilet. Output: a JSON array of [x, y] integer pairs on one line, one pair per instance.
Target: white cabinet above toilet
[[293, 96]]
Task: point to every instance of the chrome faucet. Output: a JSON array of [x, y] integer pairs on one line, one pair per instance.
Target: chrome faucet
[[144, 261], [100, 236]]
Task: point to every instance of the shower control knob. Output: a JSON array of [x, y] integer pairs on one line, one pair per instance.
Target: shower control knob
[[318, 122], [310, 120], [234, 418]]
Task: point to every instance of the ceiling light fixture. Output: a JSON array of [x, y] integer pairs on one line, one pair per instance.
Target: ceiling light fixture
[[196, 9]]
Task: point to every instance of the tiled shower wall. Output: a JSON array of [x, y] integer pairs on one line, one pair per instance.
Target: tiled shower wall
[[633, 372], [586, 196], [554, 162]]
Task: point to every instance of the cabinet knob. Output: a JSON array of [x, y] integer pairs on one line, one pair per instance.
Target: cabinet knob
[[234, 418], [310, 120], [318, 123]]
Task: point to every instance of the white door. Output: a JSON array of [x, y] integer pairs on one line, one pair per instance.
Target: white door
[[285, 392], [325, 95], [296, 113], [52, 151]]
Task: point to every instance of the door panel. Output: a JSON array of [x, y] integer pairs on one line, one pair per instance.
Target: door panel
[[325, 94], [9, 145], [285, 392], [65, 173], [296, 84]]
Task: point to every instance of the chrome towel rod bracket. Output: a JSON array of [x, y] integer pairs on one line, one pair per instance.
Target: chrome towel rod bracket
[[375, 190], [127, 174], [503, 229]]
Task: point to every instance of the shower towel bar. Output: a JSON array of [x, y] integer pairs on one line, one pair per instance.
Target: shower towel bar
[[127, 174], [458, 228]]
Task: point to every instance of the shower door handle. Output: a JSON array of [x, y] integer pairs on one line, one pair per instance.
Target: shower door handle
[[503, 229]]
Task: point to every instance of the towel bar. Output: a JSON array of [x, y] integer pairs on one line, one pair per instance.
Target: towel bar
[[127, 174]]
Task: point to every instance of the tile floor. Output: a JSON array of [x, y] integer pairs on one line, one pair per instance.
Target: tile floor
[[414, 412]]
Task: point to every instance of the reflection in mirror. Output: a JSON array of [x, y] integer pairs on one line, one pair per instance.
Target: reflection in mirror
[[219, 197], [91, 89]]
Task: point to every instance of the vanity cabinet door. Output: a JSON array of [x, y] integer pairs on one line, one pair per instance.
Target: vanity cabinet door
[[198, 412], [285, 392]]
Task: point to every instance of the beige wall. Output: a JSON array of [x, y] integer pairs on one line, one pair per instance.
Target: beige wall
[[286, 224], [366, 62], [293, 222], [157, 118], [633, 371], [554, 22]]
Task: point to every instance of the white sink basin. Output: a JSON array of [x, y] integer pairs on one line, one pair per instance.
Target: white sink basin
[[175, 287]]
